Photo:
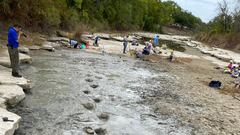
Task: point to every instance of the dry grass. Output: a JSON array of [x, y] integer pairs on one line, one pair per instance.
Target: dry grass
[[227, 41]]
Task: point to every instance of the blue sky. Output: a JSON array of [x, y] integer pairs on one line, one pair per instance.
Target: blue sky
[[205, 9]]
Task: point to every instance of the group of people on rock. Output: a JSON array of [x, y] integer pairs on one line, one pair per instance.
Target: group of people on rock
[[234, 70], [84, 44], [148, 46]]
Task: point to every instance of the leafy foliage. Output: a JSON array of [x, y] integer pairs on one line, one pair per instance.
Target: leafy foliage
[[149, 15]]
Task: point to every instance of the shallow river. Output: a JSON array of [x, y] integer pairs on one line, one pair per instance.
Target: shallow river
[[65, 80]]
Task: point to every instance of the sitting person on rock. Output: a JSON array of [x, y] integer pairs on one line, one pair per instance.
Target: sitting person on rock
[[235, 72], [229, 68], [147, 49]]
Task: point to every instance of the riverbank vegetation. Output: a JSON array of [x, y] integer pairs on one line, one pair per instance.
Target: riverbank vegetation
[[224, 30], [121, 15]]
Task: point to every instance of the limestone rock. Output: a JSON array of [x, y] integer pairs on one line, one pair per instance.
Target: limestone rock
[[88, 105], [88, 36], [48, 47], [53, 44], [64, 43], [5, 60], [88, 130], [101, 131], [56, 39], [94, 86], [86, 92], [2, 103], [12, 93], [118, 39], [6, 78], [25, 58], [33, 47], [89, 80], [23, 49], [103, 116], [97, 100], [8, 128], [103, 35]]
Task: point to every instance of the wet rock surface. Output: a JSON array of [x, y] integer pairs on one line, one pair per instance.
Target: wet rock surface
[[6, 78], [23, 49], [94, 86], [12, 93], [5, 60], [97, 100], [101, 131], [8, 122], [55, 105], [88, 130], [89, 106], [103, 116], [86, 92], [139, 98]]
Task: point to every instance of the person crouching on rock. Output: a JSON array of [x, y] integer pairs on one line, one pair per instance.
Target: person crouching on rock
[[147, 49], [14, 34], [74, 43]]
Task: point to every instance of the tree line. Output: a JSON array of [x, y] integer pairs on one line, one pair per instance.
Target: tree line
[[227, 21], [148, 15]]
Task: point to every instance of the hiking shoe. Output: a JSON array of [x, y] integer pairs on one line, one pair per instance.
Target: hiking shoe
[[16, 75]]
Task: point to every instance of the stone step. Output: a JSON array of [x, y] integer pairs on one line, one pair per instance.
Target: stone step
[[5, 60], [8, 128], [13, 94], [6, 78]]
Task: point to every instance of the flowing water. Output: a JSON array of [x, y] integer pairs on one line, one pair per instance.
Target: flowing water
[[63, 81]]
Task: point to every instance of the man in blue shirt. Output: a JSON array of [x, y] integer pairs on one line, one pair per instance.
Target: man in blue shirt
[[155, 41], [14, 34]]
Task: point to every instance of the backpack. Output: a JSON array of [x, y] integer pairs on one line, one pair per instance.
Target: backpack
[[215, 84]]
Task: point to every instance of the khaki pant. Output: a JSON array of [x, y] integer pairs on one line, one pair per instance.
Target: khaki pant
[[14, 58]]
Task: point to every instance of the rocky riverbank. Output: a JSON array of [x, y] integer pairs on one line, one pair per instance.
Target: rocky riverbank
[[165, 103], [11, 92], [12, 88]]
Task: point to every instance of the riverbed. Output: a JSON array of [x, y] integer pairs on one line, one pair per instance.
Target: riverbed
[[66, 80]]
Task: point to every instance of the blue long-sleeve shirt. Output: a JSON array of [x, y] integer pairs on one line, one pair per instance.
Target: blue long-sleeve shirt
[[156, 40], [13, 38]]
